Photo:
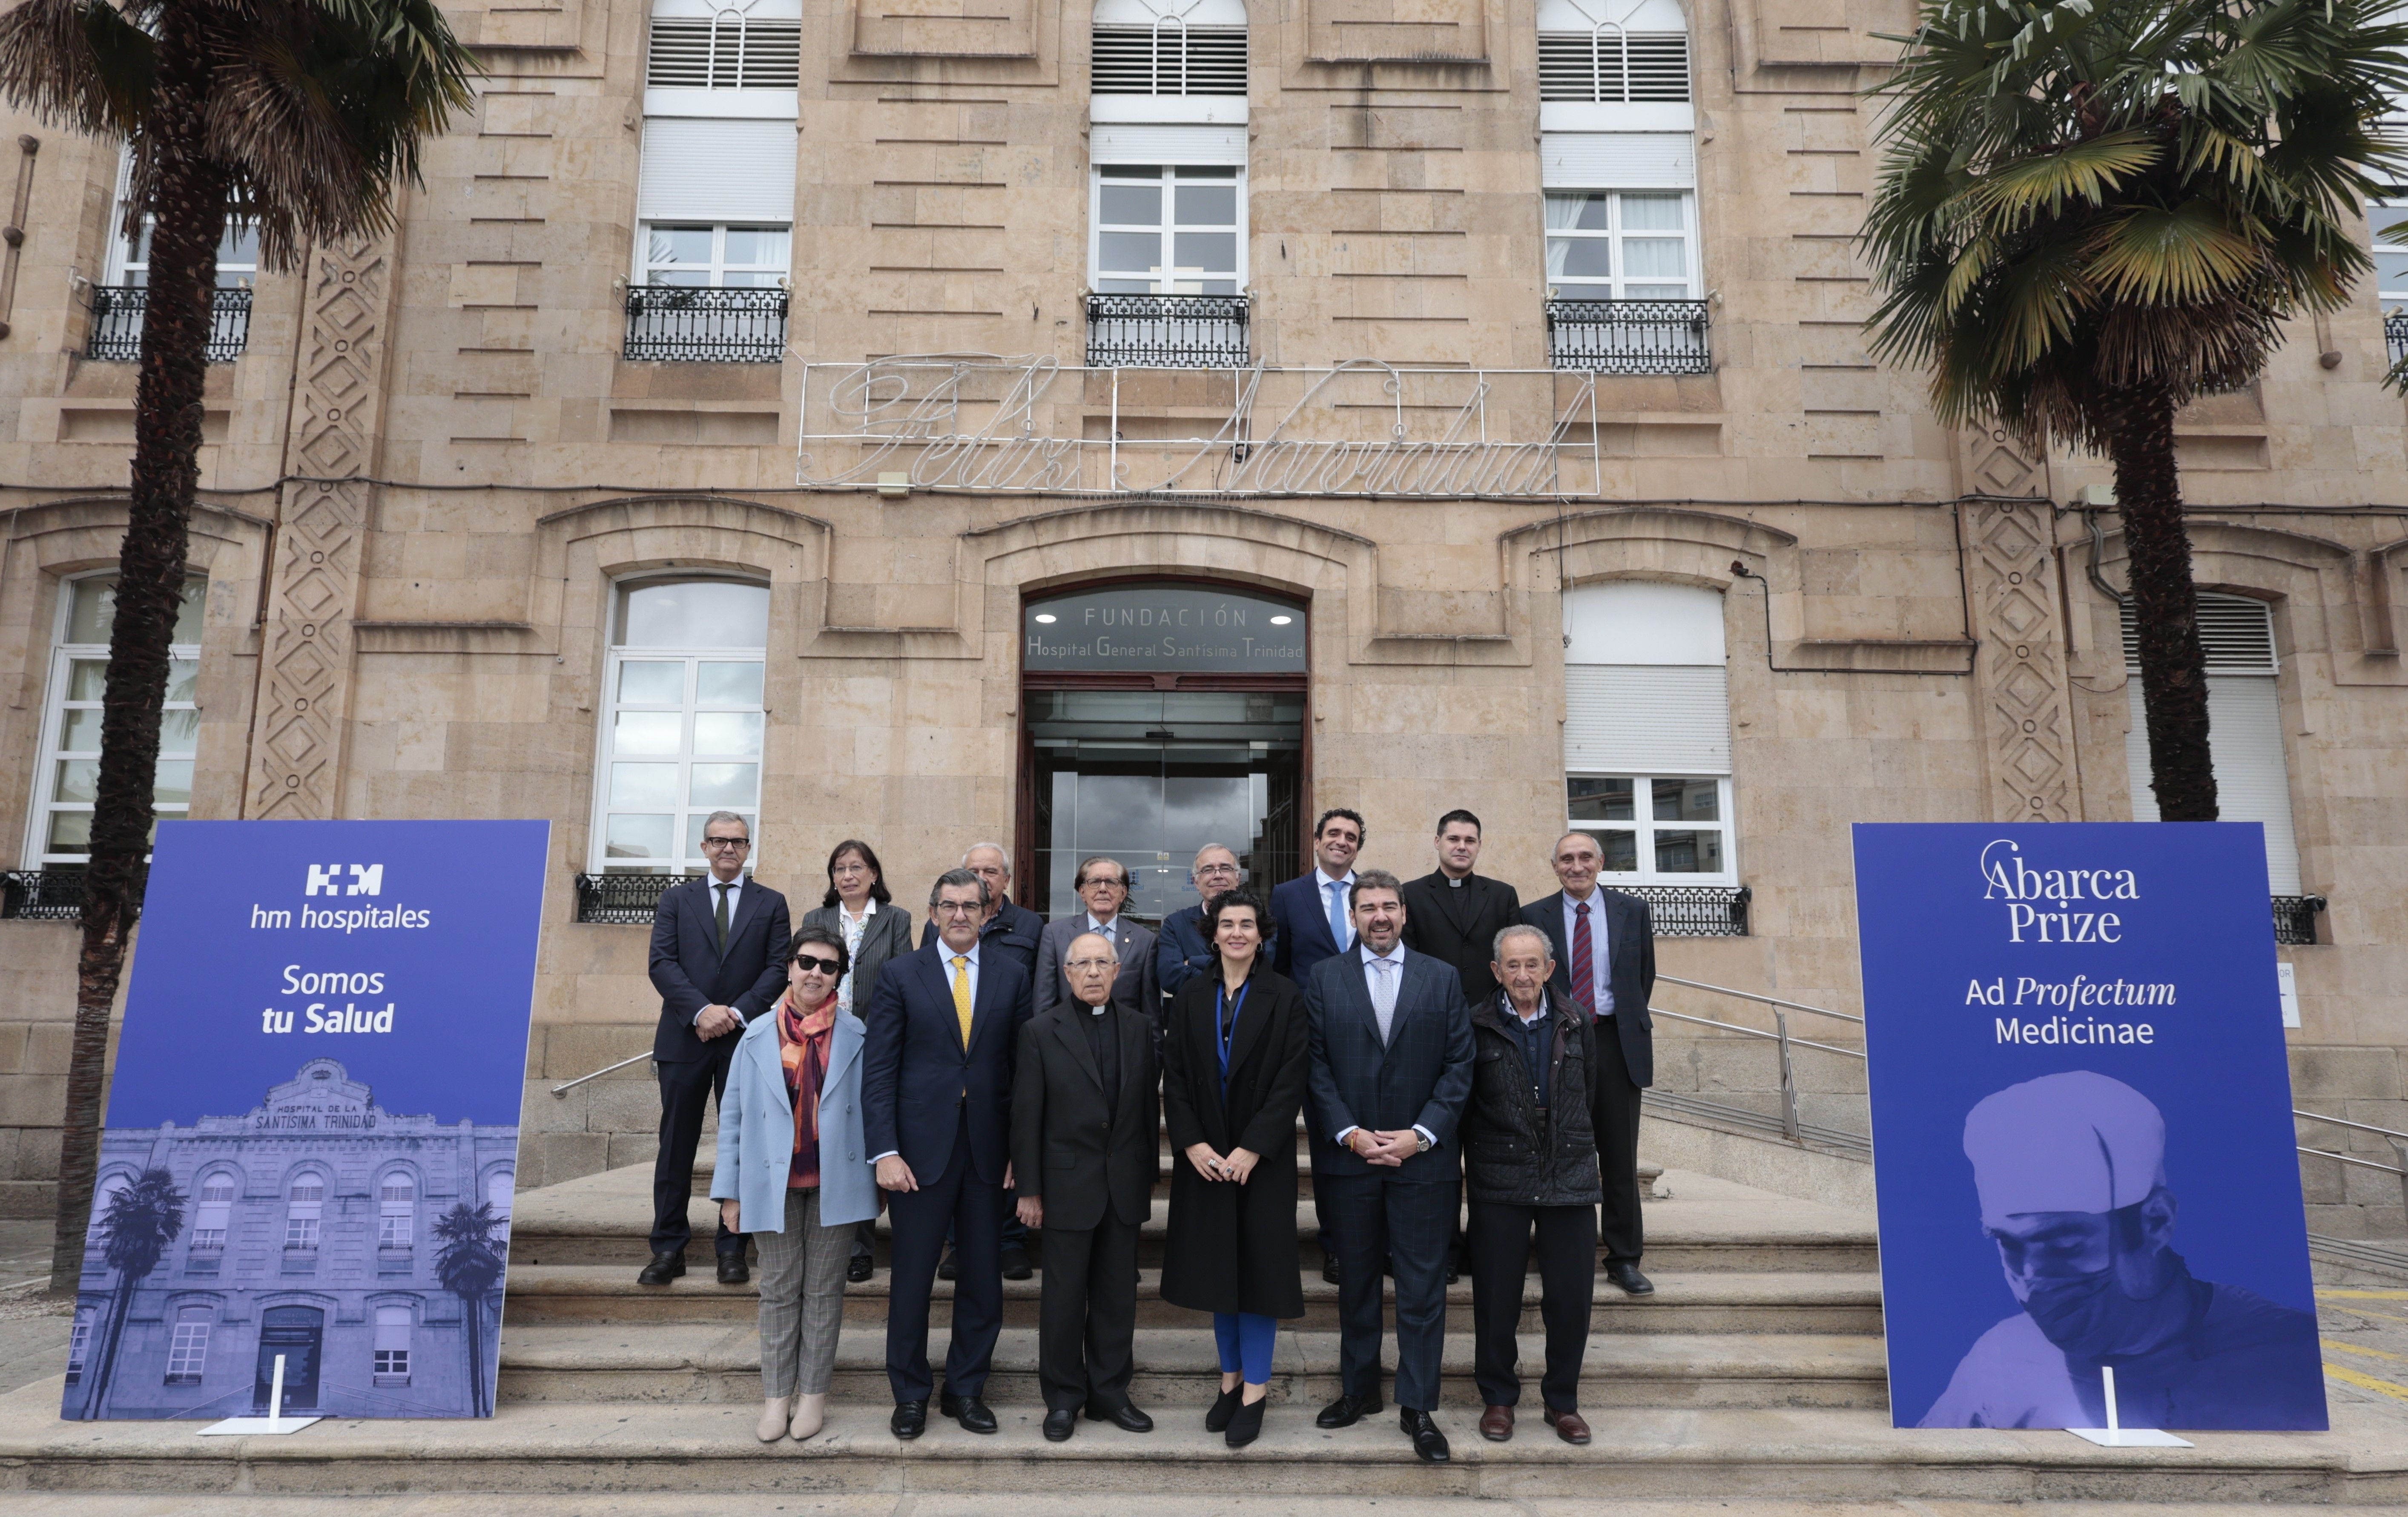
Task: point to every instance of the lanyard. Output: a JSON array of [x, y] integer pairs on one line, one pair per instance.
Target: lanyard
[[1224, 1033]]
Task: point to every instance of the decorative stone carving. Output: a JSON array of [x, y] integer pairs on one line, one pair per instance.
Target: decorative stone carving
[[1991, 462], [297, 732], [2026, 712]]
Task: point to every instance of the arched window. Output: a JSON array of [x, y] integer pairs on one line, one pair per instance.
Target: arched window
[[1647, 732], [67, 778], [304, 1202], [397, 1210], [103, 1192], [2245, 727], [392, 1362], [682, 721], [188, 1348], [709, 45], [500, 1187], [1169, 48], [1613, 52]]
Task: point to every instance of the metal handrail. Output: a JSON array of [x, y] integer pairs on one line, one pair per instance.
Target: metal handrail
[[2345, 1121], [1756, 1032], [2362, 1164], [1791, 1127], [2398, 1143], [1755, 996], [561, 1092]]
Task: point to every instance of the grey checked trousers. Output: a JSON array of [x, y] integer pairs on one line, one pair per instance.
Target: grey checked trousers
[[802, 1298]]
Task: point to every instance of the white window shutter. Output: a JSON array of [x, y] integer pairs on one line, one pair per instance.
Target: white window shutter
[[717, 171], [1618, 159], [1131, 142], [1651, 719], [2244, 735]]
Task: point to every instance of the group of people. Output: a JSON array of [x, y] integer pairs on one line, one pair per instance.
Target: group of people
[[1010, 1074]]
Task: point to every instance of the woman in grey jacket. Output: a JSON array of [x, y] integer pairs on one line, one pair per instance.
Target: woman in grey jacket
[[858, 909]]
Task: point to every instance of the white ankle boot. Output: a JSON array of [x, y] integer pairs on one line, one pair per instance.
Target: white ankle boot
[[773, 1420], [810, 1411]]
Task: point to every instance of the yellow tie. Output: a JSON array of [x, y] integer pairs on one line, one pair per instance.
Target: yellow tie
[[962, 996]]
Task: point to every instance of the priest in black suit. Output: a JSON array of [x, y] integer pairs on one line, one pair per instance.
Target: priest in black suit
[[1084, 1116], [1454, 914], [1605, 963]]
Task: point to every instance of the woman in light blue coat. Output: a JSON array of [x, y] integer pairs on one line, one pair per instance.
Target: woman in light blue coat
[[793, 1171]]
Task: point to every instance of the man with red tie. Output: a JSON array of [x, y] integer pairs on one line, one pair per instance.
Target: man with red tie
[[1605, 964]]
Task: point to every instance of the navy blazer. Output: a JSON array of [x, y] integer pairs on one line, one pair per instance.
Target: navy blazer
[[1300, 924], [691, 973], [1181, 949], [1014, 931], [1631, 935], [1420, 1078], [916, 1074]]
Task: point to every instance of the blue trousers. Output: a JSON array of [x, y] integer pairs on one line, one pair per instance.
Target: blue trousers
[[1246, 1339]]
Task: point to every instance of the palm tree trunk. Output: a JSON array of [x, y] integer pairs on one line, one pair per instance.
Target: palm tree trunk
[[104, 1368], [474, 1308], [189, 219], [2165, 605]]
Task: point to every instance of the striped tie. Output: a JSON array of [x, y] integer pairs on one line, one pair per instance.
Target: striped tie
[[962, 996], [1584, 960]]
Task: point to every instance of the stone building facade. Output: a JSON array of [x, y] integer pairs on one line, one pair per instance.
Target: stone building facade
[[307, 1234], [1514, 345]]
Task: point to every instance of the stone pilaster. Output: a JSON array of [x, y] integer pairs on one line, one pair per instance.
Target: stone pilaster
[[2024, 711]]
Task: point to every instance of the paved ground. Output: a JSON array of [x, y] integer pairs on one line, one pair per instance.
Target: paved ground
[[33, 1329], [101, 1505]]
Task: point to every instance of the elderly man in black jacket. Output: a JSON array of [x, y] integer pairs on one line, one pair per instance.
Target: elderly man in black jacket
[[1529, 1158]]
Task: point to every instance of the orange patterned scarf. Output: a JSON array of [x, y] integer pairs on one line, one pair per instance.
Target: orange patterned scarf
[[803, 1041]]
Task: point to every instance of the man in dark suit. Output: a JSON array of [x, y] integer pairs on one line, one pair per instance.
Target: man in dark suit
[[1454, 914], [718, 960], [1183, 947], [1605, 963], [1311, 920], [1085, 1110], [1102, 884], [936, 1106], [1391, 1068]]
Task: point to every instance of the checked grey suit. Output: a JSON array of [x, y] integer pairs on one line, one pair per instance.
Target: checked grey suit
[[1133, 988], [1419, 1076]]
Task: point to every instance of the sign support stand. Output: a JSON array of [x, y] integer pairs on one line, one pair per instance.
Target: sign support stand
[[2115, 1435], [274, 1422]]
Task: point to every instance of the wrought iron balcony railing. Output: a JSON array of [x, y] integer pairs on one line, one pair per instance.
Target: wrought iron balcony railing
[[42, 895], [1628, 337], [117, 322], [1695, 910], [1167, 332], [2395, 336], [621, 899], [2295, 918], [689, 324]]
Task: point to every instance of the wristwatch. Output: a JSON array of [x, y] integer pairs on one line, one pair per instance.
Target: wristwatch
[[1421, 1142]]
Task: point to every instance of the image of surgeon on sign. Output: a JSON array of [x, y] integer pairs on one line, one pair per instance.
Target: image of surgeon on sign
[[2070, 1172]]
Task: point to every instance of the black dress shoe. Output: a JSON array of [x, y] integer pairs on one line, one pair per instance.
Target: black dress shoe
[[1217, 1420], [1015, 1265], [1347, 1410], [1060, 1424], [858, 1269], [911, 1420], [946, 1267], [1625, 1274], [732, 1270], [968, 1410], [1125, 1417], [1452, 1273], [1429, 1444], [1247, 1423], [663, 1269], [1330, 1268]]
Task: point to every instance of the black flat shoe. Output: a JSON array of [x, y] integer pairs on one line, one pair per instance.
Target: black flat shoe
[[1429, 1444], [1217, 1420], [1246, 1424], [858, 1269], [1347, 1410], [1625, 1274], [1015, 1265], [1059, 1425], [972, 1414], [663, 1269], [732, 1270], [1125, 1417], [910, 1421], [946, 1267], [1329, 1271]]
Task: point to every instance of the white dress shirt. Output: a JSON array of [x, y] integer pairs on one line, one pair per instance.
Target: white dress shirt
[[1600, 951], [735, 899], [945, 958], [1384, 983], [1344, 885]]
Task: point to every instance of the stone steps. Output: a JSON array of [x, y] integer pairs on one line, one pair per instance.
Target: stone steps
[[690, 1452]]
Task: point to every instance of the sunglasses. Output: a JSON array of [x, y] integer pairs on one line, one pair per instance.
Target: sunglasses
[[814, 962]]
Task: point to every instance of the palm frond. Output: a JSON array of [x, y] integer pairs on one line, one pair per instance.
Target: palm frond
[[79, 63]]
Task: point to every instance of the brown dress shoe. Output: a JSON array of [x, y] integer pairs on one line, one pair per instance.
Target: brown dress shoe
[[1568, 1425], [1497, 1424]]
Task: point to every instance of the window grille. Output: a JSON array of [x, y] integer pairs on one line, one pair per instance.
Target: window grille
[[728, 52], [1611, 66], [1170, 59]]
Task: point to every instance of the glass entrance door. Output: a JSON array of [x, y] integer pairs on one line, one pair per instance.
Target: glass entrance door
[[1149, 776], [297, 1333]]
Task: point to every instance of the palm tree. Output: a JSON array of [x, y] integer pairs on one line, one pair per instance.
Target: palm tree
[[470, 1264], [141, 1221], [297, 116], [2092, 211]]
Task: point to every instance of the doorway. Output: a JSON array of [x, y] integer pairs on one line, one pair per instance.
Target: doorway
[[298, 1334], [1158, 717]]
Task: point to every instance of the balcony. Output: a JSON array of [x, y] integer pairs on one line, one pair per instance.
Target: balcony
[[621, 899], [41, 895], [1695, 910], [1628, 337], [2395, 336], [2295, 919], [117, 322], [691, 324], [1167, 332]]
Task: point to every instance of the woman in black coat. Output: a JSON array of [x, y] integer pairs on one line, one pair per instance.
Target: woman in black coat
[[1232, 1076]]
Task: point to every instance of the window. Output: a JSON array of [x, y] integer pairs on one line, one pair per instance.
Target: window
[[1146, 48], [102, 1195], [303, 1204], [392, 1365], [716, 256], [129, 258], [67, 778], [2388, 222], [1605, 65], [1621, 246], [212, 1210], [1169, 230], [79, 1342], [498, 1188], [1647, 732], [188, 1350], [2245, 720], [397, 1212], [682, 721], [727, 50]]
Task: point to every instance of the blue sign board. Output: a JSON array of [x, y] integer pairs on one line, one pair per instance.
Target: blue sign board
[[2082, 1123], [313, 1134]]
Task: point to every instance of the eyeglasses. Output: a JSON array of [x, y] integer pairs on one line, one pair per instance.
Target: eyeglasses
[[956, 908], [715, 844], [1088, 966], [1101, 879], [810, 963], [1216, 869]]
